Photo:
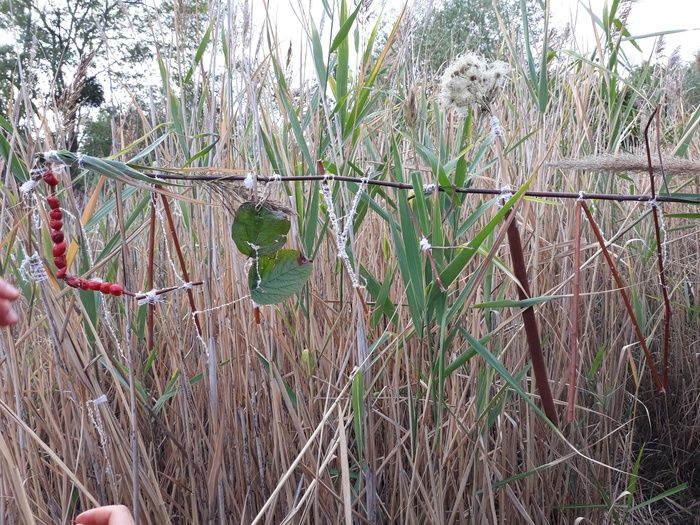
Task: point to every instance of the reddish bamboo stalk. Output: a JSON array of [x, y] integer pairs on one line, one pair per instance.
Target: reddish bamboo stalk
[[659, 250], [573, 336], [150, 336], [530, 323], [181, 258], [621, 287]]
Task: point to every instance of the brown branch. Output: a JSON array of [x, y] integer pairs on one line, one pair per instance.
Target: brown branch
[[405, 186], [530, 323], [621, 288], [150, 337], [183, 265], [659, 248], [573, 316]]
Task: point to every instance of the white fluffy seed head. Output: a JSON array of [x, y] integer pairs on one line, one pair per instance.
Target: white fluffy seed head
[[470, 80]]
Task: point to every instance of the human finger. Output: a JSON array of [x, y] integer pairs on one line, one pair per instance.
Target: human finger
[[107, 515], [7, 291]]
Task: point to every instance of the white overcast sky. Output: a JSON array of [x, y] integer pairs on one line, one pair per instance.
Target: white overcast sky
[[647, 16]]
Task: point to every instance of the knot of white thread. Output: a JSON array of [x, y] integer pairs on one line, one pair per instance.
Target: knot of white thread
[[249, 181], [276, 177], [429, 189], [100, 400], [28, 187], [653, 203], [52, 156], [425, 245], [186, 286], [580, 196], [150, 297], [496, 128], [79, 158], [505, 195], [32, 268]]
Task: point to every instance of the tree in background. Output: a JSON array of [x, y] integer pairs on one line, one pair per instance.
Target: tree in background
[[455, 26], [53, 46]]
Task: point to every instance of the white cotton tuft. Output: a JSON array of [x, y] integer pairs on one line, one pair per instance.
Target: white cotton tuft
[[249, 181]]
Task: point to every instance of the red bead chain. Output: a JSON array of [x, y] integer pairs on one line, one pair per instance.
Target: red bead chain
[[60, 247]]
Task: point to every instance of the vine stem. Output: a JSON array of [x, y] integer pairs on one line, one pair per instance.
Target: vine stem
[[628, 305]]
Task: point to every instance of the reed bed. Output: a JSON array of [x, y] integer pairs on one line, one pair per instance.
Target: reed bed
[[408, 399]]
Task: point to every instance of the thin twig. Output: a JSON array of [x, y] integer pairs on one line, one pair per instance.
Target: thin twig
[[628, 305], [150, 336], [573, 318], [406, 186], [659, 248], [183, 265]]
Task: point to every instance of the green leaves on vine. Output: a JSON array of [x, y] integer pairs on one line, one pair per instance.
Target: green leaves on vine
[[275, 275]]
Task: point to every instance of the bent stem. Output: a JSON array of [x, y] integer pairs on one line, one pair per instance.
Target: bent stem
[[530, 322], [628, 306], [659, 249], [573, 337]]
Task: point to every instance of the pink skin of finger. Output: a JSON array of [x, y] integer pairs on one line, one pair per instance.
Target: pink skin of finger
[[8, 294], [107, 515]]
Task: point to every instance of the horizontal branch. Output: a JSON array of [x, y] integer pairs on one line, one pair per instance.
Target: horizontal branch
[[405, 186]]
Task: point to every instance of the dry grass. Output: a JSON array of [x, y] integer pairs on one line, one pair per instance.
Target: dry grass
[[259, 421]]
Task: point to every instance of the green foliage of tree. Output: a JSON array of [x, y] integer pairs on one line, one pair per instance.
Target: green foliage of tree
[[456, 26], [97, 135], [691, 84]]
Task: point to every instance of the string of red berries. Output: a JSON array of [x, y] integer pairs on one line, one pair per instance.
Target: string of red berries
[[60, 247]]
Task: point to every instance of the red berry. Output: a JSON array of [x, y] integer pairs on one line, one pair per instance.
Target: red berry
[[59, 249], [56, 215], [85, 284], [61, 273], [57, 236], [56, 225], [116, 289], [54, 203], [51, 181], [60, 261], [105, 287], [73, 282], [94, 285]]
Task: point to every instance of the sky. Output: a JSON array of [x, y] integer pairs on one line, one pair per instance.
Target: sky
[[647, 16]]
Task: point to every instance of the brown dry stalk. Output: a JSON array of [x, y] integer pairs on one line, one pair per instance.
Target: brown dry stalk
[[150, 337], [621, 288], [181, 258], [573, 316], [530, 322], [659, 247]]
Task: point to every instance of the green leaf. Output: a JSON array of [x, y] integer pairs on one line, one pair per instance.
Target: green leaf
[[525, 303], [345, 29], [259, 230], [272, 280]]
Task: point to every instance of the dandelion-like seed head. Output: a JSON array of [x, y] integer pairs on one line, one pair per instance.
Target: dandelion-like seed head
[[470, 80]]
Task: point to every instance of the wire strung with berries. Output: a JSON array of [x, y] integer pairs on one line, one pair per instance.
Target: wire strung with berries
[[60, 248]]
